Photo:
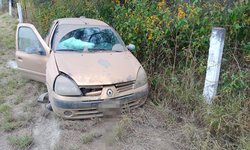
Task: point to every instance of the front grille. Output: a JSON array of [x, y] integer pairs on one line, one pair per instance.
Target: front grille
[[93, 112], [125, 86], [86, 113], [131, 104], [91, 91]]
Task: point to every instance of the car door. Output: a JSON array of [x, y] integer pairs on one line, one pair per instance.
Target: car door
[[31, 52]]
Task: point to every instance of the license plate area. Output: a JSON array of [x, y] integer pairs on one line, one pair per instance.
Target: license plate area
[[110, 107]]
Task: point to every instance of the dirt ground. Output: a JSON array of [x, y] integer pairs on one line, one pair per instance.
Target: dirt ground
[[147, 128]]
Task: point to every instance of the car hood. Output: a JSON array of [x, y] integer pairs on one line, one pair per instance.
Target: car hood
[[98, 68]]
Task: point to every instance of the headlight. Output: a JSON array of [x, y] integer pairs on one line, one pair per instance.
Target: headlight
[[141, 78], [66, 86]]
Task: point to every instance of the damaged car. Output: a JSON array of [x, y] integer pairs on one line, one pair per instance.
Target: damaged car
[[85, 65]]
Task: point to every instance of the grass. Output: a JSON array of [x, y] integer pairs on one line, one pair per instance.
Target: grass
[[4, 74], [120, 131], [19, 99], [222, 125], [87, 138], [10, 82], [7, 123], [8, 42], [20, 142], [71, 147], [10, 126], [1, 98], [4, 108], [30, 106]]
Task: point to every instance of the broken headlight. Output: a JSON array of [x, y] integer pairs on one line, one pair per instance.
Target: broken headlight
[[66, 86]]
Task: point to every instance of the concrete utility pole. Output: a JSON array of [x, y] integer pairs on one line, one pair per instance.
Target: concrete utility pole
[[10, 8], [214, 63], [20, 14]]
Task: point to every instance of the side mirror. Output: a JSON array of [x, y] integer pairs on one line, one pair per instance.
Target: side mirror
[[130, 47]]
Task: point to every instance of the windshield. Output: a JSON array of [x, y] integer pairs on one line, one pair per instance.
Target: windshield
[[87, 39]]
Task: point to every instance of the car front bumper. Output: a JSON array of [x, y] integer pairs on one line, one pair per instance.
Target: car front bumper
[[77, 108]]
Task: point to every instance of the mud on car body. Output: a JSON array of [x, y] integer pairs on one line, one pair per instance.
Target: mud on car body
[[85, 65]]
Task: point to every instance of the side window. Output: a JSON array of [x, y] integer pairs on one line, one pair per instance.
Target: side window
[[28, 42]]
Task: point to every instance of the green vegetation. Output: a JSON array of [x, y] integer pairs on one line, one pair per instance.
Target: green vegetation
[[87, 138], [172, 40], [7, 122], [7, 41], [19, 99], [4, 108], [10, 126], [120, 131], [20, 141]]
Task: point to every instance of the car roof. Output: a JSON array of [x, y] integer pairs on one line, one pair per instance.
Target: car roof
[[80, 21]]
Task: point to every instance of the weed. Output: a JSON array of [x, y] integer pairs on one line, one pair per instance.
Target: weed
[[12, 84], [20, 141], [8, 123], [8, 41], [22, 82], [29, 107], [2, 53], [1, 99], [120, 131], [10, 126], [8, 116], [71, 147], [19, 99], [4, 108], [87, 138], [4, 74], [25, 119]]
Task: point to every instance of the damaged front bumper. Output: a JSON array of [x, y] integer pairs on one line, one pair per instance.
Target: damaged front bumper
[[73, 108]]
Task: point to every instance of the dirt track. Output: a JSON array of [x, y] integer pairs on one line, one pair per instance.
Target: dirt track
[[145, 128]]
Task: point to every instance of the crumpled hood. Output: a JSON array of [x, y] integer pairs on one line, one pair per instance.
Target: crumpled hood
[[98, 68]]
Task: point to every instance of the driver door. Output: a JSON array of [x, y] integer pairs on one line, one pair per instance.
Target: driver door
[[31, 52]]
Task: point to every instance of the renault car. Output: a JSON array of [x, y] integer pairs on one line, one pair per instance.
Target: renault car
[[85, 65]]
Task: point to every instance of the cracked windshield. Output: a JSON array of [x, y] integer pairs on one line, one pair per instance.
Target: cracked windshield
[[88, 39]]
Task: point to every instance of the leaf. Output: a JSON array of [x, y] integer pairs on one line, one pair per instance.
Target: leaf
[[237, 26]]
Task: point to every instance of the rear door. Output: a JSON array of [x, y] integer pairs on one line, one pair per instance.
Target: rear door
[[31, 52]]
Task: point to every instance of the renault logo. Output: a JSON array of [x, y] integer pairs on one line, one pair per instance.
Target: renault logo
[[109, 92]]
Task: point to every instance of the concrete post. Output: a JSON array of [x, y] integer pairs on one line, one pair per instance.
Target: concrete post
[[20, 14], [214, 63], [10, 8]]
